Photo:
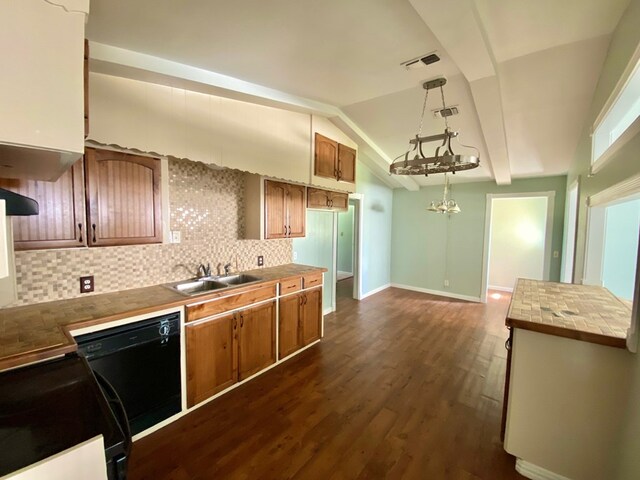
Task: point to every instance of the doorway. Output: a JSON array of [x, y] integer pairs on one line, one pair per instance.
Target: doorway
[[348, 228], [518, 233]]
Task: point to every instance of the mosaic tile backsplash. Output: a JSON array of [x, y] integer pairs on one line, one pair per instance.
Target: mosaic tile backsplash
[[206, 206]]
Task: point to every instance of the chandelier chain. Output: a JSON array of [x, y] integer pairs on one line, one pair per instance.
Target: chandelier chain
[[444, 106], [424, 107]]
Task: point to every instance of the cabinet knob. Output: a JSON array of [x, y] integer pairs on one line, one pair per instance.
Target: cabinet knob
[[80, 232], [93, 227]]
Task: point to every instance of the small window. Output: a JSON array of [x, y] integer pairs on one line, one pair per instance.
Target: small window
[[619, 120]]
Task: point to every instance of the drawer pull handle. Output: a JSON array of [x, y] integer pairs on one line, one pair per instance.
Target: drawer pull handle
[[93, 227], [80, 232]]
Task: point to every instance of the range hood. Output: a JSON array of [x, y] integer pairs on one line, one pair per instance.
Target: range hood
[[17, 204]]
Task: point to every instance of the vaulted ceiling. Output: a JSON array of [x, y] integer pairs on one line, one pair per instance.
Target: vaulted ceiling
[[521, 73]]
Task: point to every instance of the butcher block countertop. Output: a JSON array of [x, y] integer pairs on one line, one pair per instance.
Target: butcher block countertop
[[582, 312], [40, 331]]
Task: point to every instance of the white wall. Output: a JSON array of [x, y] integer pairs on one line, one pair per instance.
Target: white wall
[[518, 228]]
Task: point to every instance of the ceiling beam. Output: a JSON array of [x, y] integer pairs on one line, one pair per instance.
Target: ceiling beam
[[458, 28]]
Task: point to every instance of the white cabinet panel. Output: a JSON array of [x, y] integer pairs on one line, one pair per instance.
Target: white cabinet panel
[[186, 124], [41, 86]]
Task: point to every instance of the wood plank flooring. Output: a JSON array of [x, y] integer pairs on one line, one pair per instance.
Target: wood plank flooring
[[404, 385]]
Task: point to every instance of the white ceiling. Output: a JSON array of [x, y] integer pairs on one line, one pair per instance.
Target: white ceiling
[[522, 72]]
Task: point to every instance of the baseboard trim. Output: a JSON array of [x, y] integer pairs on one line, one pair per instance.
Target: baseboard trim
[[500, 289], [437, 292], [535, 472], [374, 291], [348, 274], [327, 311]]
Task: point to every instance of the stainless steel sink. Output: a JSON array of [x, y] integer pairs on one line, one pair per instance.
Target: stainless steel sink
[[197, 286], [239, 279]]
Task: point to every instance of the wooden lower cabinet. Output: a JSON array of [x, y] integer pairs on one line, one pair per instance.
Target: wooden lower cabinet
[[311, 316], [290, 339], [300, 321], [228, 349], [212, 359], [257, 339]]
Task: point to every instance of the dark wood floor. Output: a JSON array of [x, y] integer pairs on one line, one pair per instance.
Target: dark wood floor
[[404, 385]]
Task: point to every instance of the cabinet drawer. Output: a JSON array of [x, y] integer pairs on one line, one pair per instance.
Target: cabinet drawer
[[291, 285], [312, 280], [225, 304]]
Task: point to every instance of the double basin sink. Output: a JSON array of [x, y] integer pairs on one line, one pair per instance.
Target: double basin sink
[[199, 286]]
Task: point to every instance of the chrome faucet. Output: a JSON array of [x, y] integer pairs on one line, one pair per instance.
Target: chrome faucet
[[227, 269], [204, 271]]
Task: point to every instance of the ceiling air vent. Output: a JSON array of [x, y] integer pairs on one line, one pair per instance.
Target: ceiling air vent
[[421, 62], [445, 112]]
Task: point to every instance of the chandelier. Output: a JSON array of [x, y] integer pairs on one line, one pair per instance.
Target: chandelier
[[445, 205], [444, 159]]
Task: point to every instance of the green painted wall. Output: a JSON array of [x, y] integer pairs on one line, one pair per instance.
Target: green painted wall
[[376, 229], [428, 248], [345, 240], [621, 248], [317, 249], [625, 164]]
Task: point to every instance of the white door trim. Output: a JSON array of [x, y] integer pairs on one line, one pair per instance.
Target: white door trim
[[550, 195], [358, 221]]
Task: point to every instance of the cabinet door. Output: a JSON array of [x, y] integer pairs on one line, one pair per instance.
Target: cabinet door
[[346, 164], [339, 201], [326, 157], [257, 339], [212, 360], [311, 316], [123, 195], [297, 210], [289, 335], [60, 222], [317, 198], [275, 209]]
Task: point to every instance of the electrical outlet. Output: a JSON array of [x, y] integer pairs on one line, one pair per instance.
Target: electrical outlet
[[260, 260], [295, 256], [86, 284], [175, 236], [446, 283]]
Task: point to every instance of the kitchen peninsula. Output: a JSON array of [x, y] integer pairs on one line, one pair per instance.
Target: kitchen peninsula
[[567, 350]]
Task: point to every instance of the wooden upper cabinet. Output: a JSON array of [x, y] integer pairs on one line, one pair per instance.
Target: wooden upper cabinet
[[346, 164], [297, 210], [60, 223], [334, 160], [326, 157], [275, 209], [212, 361], [320, 199], [284, 210], [123, 198], [256, 339]]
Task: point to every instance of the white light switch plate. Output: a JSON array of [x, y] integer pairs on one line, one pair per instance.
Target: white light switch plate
[[175, 236]]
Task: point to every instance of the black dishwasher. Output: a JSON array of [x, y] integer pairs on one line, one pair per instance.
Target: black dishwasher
[[141, 361]]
